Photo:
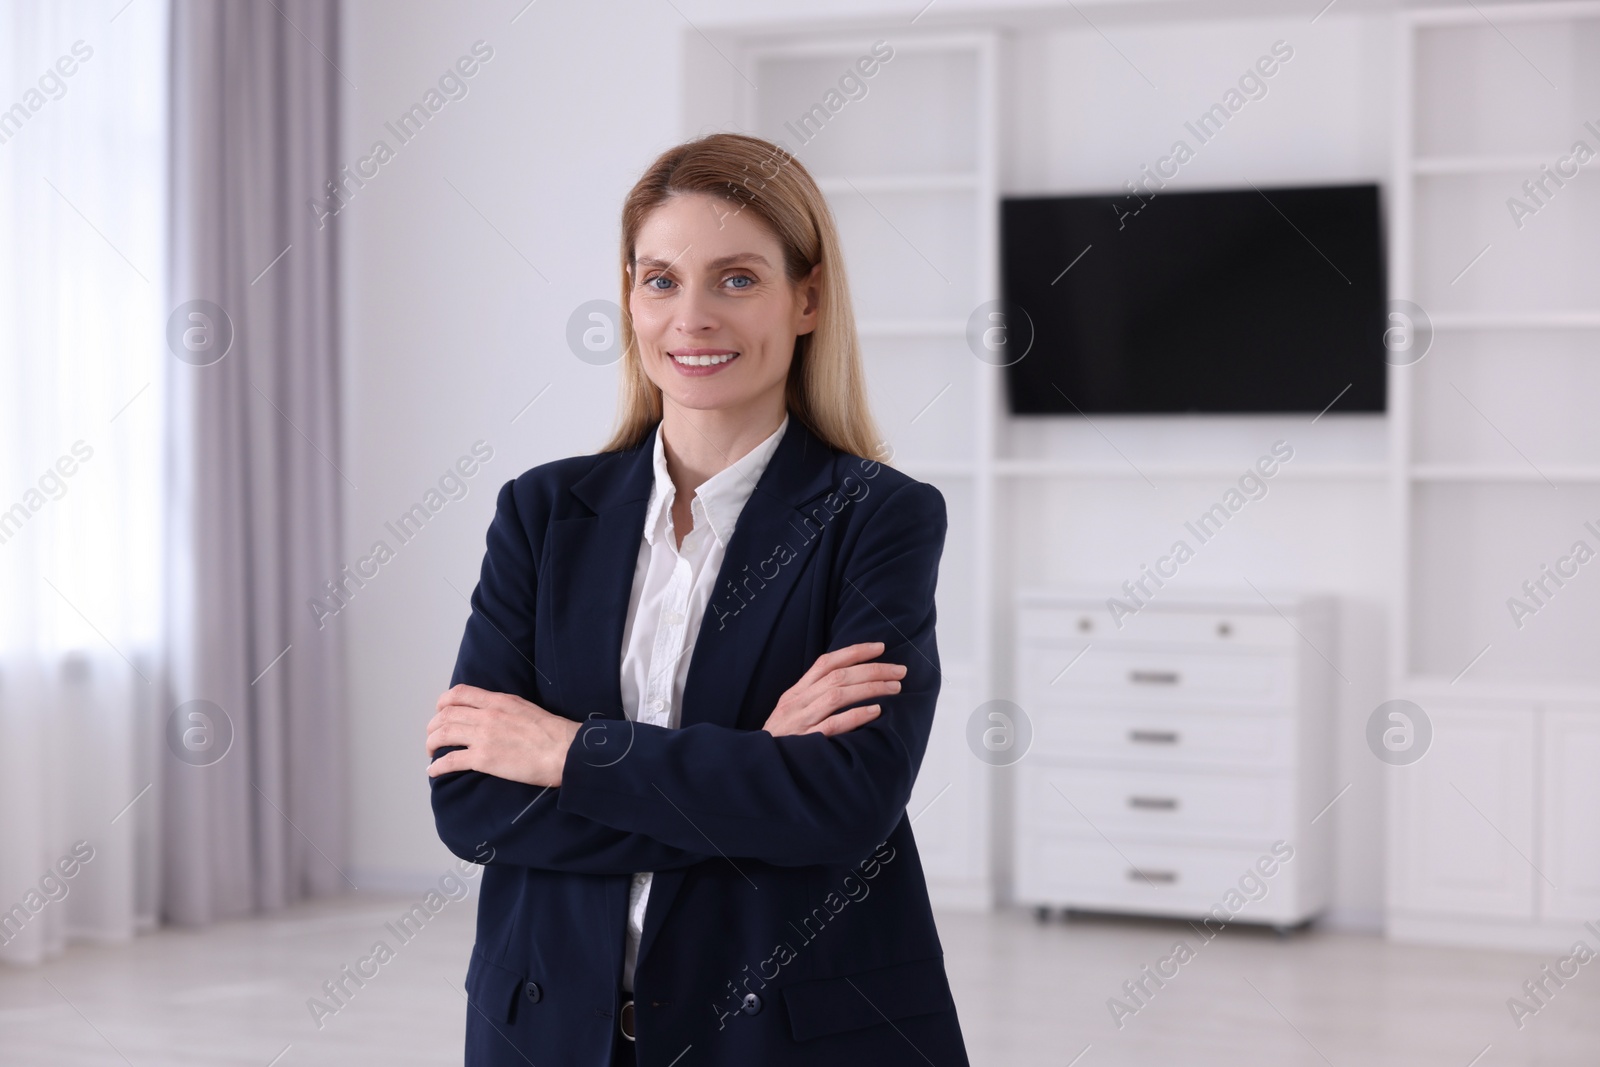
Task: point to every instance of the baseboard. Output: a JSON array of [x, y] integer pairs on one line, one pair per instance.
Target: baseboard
[[1352, 921], [1511, 936]]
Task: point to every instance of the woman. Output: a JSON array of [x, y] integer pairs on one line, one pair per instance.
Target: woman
[[699, 676]]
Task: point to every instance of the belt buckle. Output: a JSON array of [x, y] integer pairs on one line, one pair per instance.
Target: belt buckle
[[625, 1019]]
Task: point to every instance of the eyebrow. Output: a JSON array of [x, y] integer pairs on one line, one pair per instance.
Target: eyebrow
[[715, 264]]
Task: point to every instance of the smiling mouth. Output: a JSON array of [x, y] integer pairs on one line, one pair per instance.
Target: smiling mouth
[[703, 361]]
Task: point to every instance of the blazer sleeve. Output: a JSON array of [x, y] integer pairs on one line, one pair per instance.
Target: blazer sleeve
[[487, 819], [804, 799]]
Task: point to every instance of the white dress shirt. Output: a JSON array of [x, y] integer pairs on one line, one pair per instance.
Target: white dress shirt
[[671, 587]]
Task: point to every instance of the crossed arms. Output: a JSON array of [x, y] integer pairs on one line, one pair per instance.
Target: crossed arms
[[828, 792]]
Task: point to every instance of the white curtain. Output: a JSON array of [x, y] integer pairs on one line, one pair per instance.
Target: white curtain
[[82, 342]]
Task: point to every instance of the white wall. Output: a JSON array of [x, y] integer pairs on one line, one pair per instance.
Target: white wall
[[450, 331]]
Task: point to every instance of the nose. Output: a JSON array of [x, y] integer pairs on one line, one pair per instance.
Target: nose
[[696, 314]]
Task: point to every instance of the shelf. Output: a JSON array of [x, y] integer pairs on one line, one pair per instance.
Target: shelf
[[1531, 320], [1425, 687], [900, 183], [1505, 472], [1479, 14], [1045, 468]]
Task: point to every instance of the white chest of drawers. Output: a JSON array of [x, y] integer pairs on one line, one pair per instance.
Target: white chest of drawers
[[1176, 760]]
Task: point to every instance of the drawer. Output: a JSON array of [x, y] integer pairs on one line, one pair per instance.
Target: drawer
[[1180, 880], [1049, 677], [1155, 625], [1150, 805], [1165, 738]]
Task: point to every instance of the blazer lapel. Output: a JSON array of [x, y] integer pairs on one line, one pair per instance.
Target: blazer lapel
[[592, 559]]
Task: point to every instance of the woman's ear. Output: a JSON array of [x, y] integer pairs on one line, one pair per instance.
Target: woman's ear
[[809, 292]]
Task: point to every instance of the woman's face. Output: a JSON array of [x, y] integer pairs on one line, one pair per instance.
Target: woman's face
[[708, 281]]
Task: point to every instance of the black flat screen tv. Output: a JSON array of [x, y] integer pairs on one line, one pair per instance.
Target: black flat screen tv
[[1230, 301]]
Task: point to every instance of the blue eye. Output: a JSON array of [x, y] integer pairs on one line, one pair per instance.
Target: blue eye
[[649, 283]]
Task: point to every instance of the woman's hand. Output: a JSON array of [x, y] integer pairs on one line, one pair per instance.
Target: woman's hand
[[504, 735], [838, 679]]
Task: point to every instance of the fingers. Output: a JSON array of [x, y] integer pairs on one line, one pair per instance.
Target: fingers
[[455, 725], [470, 696], [842, 657], [459, 760], [445, 735], [866, 672], [826, 701], [836, 681], [845, 721], [467, 695]]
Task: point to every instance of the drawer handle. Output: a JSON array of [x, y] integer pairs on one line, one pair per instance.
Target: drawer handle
[[1153, 737], [1153, 677], [1153, 803], [1164, 877]]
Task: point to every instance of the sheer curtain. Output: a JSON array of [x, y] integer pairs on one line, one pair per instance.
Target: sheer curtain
[[82, 249], [169, 487]]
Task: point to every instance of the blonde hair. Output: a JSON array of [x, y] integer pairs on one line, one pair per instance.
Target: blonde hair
[[826, 388]]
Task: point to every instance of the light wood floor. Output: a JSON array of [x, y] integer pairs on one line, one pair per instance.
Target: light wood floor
[[1028, 994]]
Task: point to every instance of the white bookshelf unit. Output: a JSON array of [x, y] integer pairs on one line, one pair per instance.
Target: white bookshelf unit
[[1495, 443], [1420, 523]]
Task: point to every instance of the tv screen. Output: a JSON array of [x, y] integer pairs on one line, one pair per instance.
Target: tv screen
[[1232, 301]]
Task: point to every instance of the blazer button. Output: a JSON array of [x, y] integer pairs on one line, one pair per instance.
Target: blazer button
[[534, 992], [751, 1005]]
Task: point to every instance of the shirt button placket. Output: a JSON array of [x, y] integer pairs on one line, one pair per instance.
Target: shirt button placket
[[673, 618]]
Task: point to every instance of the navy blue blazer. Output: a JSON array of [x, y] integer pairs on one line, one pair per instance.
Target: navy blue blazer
[[788, 920]]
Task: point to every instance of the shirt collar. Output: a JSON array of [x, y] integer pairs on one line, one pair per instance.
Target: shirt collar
[[719, 499]]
